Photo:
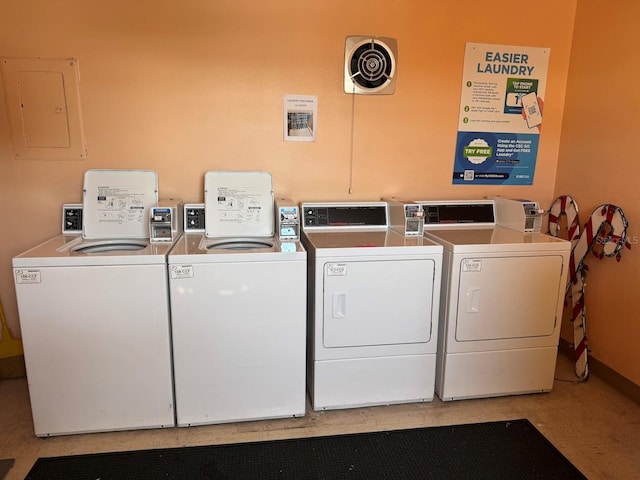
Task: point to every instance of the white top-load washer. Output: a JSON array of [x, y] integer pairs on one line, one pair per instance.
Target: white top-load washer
[[238, 303], [501, 305], [373, 307], [94, 315]]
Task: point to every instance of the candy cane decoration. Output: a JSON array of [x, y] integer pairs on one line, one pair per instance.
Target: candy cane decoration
[[574, 293], [565, 206], [607, 226]]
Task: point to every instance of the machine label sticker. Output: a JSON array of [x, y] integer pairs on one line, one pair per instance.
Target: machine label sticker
[[471, 265], [181, 271], [28, 276], [336, 269]]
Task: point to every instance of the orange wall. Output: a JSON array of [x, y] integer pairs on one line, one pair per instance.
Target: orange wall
[[186, 86], [598, 164]]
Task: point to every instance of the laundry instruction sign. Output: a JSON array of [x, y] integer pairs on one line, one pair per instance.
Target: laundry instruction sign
[[500, 114]]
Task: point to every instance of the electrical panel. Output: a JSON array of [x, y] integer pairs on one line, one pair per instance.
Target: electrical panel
[[43, 107]]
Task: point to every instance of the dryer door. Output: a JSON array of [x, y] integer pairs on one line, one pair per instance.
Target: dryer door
[[508, 297], [383, 302]]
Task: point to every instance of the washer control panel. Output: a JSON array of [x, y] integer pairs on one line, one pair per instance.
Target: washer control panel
[[194, 218], [72, 218]]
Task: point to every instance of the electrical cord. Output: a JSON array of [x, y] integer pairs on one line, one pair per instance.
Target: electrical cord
[[353, 115]]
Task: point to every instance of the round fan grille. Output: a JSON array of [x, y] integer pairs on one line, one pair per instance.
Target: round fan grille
[[371, 65]]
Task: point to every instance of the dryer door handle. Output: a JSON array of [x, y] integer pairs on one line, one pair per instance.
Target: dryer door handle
[[473, 300], [339, 305]]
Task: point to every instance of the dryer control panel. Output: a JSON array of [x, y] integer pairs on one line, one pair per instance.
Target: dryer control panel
[[345, 215], [450, 213]]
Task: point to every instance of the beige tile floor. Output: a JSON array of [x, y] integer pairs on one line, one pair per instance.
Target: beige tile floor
[[593, 425]]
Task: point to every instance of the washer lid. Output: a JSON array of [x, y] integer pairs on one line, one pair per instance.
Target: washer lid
[[116, 203], [239, 204], [111, 245]]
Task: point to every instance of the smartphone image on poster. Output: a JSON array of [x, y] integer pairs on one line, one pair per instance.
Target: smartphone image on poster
[[531, 109]]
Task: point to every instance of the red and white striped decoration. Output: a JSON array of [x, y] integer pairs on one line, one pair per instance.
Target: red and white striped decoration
[[606, 228], [565, 206]]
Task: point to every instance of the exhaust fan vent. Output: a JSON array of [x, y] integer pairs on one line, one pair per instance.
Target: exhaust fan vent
[[370, 65]]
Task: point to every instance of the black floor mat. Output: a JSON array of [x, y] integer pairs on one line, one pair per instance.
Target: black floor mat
[[497, 450], [5, 466]]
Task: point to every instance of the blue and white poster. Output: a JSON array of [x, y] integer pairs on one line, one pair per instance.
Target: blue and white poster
[[500, 119]]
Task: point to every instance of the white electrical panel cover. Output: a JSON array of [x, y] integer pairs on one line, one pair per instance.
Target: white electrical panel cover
[[43, 105]]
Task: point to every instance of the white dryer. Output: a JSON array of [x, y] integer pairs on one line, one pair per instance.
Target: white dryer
[[238, 303], [94, 315], [501, 304], [373, 307]]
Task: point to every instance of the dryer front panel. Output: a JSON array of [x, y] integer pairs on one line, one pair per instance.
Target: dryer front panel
[[508, 297], [377, 302]]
